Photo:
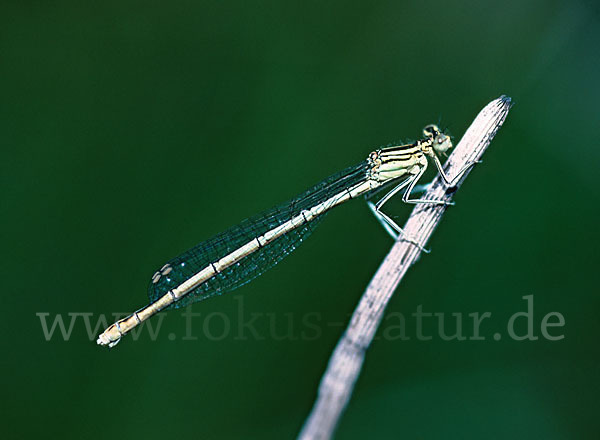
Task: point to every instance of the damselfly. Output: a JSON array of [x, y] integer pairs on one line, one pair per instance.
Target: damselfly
[[243, 252]]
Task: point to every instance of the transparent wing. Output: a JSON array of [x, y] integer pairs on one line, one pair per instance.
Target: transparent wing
[[192, 261]]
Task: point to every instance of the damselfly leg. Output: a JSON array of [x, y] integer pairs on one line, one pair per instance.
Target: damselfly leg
[[387, 222], [463, 170]]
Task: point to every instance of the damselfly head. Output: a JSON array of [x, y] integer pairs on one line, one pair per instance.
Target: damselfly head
[[441, 142]]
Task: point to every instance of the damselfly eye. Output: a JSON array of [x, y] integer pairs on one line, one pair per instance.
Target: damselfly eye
[[431, 130]]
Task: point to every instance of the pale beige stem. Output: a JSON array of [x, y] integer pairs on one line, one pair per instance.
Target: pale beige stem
[[346, 361]]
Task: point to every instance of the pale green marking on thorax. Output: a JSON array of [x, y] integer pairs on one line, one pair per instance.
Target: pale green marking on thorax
[[394, 162]]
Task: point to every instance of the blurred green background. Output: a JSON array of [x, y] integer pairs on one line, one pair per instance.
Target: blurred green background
[[133, 130]]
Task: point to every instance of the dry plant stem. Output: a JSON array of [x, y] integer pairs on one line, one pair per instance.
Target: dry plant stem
[[346, 361]]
